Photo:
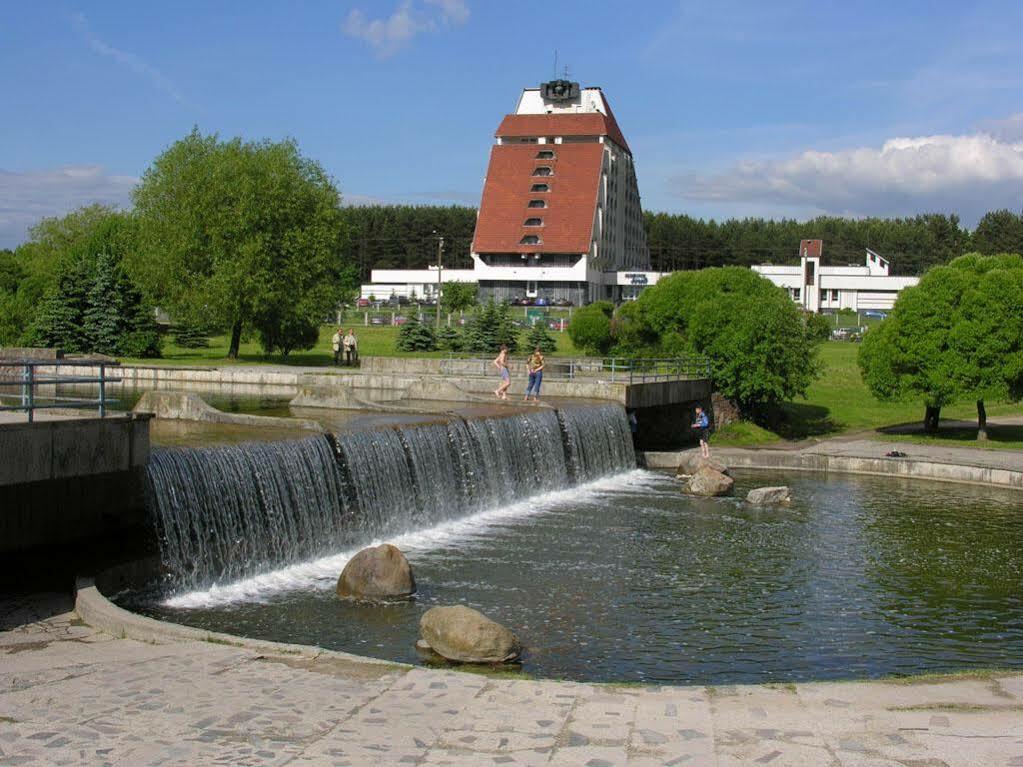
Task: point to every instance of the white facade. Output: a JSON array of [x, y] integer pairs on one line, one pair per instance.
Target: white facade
[[411, 283], [829, 288]]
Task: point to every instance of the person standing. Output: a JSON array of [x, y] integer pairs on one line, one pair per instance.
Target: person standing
[[702, 424], [534, 366], [335, 344], [351, 344], [501, 363]]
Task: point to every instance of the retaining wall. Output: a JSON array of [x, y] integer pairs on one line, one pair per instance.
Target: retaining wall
[[820, 462], [71, 479]]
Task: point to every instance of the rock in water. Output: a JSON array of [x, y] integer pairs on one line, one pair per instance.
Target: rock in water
[[379, 572], [468, 636], [708, 482], [691, 464], [763, 496]]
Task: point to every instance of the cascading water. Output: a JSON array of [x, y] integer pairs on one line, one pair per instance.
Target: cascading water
[[226, 513]]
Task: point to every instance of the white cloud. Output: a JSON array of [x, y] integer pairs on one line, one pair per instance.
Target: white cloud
[[27, 197], [125, 59], [968, 175], [389, 35]]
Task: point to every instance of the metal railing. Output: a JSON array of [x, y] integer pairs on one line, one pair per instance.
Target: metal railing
[[27, 380], [591, 369]]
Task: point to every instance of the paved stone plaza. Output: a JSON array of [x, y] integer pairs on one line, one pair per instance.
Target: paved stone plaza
[[70, 694]]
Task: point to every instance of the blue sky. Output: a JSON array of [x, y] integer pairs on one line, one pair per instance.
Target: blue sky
[[731, 108]]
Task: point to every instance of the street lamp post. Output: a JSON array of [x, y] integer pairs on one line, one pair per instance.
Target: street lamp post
[[440, 254]]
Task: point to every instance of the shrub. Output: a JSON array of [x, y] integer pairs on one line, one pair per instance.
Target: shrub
[[538, 336], [590, 328]]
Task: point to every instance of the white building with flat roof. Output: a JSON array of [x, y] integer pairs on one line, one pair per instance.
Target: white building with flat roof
[[830, 288]]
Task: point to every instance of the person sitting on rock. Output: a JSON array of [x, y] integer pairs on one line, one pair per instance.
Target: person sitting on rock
[[702, 423]]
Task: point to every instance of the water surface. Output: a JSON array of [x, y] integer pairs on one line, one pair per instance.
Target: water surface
[[625, 579]]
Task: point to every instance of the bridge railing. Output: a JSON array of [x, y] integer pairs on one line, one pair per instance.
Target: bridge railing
[[32, 384], [590, 369]]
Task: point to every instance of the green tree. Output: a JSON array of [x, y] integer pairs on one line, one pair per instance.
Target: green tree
[[191, 335], [94, 306], [539, 337], [240, 233], [458, 296], [590, 327], [449, 339], [489, 329], [759, 358], [286, 331], [1000, 231], [415, 336], [956, 335]]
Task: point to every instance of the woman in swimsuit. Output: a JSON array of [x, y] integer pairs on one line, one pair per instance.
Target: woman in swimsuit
[[501, 363]]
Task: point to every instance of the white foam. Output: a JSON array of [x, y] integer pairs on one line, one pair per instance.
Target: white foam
[[322, 573]]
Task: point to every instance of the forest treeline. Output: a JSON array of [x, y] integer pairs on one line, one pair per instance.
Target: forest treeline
[[406, 237]]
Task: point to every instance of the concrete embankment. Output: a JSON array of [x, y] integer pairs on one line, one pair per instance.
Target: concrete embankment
[[184, 406], [64, 480], [1000, 468]]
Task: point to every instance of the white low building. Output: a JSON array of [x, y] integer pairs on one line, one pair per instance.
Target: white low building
[[411, 283], [830, 288]]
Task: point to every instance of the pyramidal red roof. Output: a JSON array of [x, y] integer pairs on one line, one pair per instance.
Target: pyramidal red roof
[[571, 199]]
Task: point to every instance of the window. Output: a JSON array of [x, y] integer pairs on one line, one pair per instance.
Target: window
[[543, 170], [538, 203], [795, 294], [545, 154], [533, 222], [540, 188], [530, 239], [834, 295]]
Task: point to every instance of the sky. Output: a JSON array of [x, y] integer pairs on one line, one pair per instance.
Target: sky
[[773, 109]]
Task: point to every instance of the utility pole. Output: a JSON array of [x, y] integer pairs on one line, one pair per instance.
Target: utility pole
[[440, 254]]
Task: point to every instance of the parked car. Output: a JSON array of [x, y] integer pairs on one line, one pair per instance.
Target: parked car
[[562, 302], [522, 301], [362, 302], [376, 321], [541, 301], [399, 320], [874, 314]]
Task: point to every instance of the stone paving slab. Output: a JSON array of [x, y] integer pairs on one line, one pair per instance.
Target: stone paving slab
[[70, 694]]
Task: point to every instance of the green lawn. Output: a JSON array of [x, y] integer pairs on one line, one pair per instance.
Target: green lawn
[[839, 402], [374, 341]]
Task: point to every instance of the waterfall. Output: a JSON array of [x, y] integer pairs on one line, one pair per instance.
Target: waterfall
[[225, 513]]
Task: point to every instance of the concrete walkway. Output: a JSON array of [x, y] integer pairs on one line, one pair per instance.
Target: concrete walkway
[[70, 694]]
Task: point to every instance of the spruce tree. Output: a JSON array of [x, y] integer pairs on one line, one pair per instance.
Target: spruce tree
[[414, 336], [104, 317], [539, 337], [449, 339]]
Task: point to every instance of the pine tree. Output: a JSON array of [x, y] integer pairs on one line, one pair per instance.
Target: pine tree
[[539, 337], [189, 335], [104, 318], [414, 336], [491, 328], [449, 339]]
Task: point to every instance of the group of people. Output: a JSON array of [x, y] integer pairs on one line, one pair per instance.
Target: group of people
[[345, 341], [534, 369]]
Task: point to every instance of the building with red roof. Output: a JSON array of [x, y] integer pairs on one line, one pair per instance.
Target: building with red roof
[[560, 216]]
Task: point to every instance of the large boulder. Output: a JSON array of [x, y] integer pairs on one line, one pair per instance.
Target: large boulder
[[468, 636], [766, 496], [708, 482], [379, 572], [692, 462]]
